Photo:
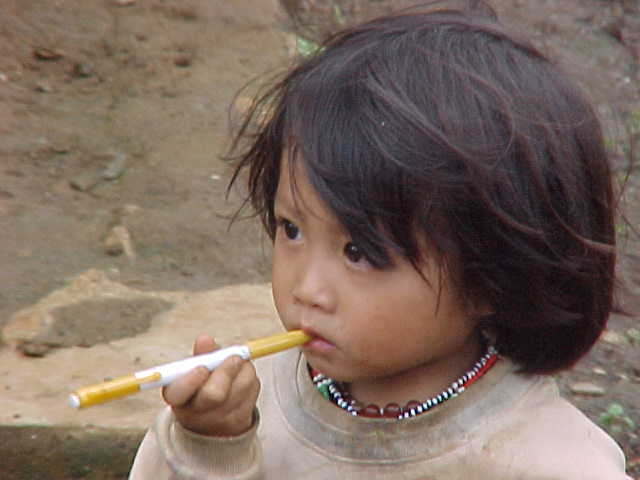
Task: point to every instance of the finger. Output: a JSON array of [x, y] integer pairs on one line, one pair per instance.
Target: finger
[[180, 391], [247, 384], [218, 387], [204, 344]]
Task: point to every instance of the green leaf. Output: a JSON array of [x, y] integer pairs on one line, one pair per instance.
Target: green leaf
[[615, 410], [634, 335], [306, 47]]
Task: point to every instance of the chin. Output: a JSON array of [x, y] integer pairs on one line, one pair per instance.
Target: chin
[[335, 372]]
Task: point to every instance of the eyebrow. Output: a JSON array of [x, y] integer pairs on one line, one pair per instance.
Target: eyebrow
[[287, 203], [287, 206]]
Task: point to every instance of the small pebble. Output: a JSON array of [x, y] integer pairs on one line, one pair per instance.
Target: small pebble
[[33, 349], [82, 70], [613, 337], [118, 241], [46, 54], [86, 180], [182, 61], [115, 168], [43, 87], [586, 388]]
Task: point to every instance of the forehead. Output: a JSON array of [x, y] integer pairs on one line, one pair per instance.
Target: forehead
[[296, 195]]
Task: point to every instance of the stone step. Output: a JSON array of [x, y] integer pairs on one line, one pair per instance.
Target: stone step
[[37, 422]]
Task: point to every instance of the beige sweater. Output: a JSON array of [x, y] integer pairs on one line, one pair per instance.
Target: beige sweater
[[505, 426]]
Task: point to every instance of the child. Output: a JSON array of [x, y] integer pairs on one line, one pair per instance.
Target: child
[[442, 217]]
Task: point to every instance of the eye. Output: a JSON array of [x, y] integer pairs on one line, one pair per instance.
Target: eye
[[353, 252], [290, 229]]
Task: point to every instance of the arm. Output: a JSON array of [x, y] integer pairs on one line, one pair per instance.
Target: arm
[[170, 451]]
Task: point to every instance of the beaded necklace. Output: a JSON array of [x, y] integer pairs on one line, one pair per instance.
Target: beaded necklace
[[337, 393]]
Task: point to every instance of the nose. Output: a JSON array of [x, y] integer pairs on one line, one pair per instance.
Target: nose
[[315, 286]]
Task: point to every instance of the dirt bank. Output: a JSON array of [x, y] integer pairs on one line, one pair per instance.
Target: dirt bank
[[114, 115]]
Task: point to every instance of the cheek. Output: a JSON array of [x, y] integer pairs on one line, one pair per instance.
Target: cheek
[[280, 281], [372, 326], [281, 304], [277, 288], [390, 319]]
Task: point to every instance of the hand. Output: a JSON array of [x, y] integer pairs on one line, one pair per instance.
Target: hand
[[218, 403]]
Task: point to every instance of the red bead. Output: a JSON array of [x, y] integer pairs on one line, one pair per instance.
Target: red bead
[[357, 407], [371, 410], [392, 410]]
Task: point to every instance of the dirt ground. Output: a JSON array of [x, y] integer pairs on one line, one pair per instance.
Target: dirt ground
[[113, 117]]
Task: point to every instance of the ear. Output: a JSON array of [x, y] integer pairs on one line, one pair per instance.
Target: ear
[[479, 308], [484, 310]]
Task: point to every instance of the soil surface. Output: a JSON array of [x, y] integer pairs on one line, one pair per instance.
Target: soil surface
[[114, 118]]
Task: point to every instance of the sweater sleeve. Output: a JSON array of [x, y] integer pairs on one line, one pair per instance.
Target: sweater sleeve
[[169, 451]]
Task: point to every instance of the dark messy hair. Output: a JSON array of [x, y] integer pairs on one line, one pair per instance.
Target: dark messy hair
[[443, 125]]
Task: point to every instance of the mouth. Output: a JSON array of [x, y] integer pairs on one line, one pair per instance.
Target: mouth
[[318, 344]]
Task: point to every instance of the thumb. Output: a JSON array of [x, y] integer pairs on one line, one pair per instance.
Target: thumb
[[204, 344]]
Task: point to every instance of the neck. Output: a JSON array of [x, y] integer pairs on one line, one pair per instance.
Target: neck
[[419, 382]]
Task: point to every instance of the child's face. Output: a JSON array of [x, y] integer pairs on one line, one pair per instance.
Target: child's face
[[366, 323]]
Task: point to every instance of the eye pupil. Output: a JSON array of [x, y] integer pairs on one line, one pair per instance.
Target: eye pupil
[[290, 230], [353, 252]]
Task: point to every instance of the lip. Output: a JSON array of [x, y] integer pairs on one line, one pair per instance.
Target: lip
[[318, 344]]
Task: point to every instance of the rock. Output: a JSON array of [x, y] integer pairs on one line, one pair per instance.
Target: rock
[[116, 167], [86, 180], [31, 324], [112, 244], [26, 326], [586, 388], [613, 337], [128, 209], [36, 331], [183, 61], [116, 164], [34, 349], [47, 54], [82, 70], [599, 371], [43, 87], [633, 334], [98, 316], [101, 320], [118, 241], [35, 391]]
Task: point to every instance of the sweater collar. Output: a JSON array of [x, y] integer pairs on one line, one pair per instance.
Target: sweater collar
[[324, 426]]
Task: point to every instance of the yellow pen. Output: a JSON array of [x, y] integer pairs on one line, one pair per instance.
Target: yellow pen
[[167, 373]]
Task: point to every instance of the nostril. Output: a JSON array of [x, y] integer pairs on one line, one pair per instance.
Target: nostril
[[312, 296]]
